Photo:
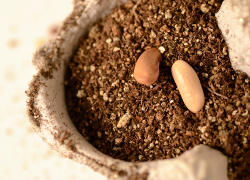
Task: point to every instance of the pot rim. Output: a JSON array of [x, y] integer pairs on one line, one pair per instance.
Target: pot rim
[[48, 114]]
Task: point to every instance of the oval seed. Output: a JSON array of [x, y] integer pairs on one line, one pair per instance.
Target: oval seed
[[189, 85], [147, 66]]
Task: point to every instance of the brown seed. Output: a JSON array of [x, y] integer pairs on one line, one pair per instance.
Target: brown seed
[[189, 85], [147, 66]]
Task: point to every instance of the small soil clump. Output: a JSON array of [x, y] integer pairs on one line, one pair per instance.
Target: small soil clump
[[135, 122]]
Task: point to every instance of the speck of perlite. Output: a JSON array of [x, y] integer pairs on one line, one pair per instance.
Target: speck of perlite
[[105, 97], [204, 8], [81, 93], [118, 141], [162, 49], [124, 120]]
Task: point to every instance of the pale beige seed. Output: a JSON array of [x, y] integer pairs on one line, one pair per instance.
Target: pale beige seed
[[189, 85], [147, 66]]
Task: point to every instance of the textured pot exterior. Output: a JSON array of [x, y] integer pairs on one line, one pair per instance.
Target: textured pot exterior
[[234, 23], [48, 114]]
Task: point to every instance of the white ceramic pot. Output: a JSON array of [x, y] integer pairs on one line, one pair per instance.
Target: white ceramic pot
[[48, 114]]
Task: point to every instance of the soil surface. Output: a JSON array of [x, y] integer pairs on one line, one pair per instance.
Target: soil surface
[[101, 90]]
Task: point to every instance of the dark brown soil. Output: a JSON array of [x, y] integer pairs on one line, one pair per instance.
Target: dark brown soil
[[101, 90]]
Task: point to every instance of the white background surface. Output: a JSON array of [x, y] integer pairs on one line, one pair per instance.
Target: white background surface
[[24, 26]]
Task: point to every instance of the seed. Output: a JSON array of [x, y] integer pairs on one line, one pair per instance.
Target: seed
[[147, 66], [189, 85]]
